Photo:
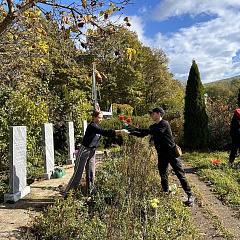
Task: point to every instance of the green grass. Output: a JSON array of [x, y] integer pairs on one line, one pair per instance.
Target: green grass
[[224, 177]]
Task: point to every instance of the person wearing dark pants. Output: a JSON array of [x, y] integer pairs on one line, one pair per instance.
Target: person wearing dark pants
[[235, 135], [85, 159], [163, 162], [165, 146], [86, 154]]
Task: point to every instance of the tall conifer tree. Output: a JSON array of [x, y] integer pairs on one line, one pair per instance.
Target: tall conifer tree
[[196, 132]]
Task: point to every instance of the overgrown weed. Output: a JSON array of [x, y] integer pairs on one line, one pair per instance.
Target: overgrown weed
[[120, 208]]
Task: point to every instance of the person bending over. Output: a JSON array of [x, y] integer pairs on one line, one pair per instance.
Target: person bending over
[[85, 157]]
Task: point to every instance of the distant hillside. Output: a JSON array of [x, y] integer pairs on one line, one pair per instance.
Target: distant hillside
[[225, 89], [232, 81]]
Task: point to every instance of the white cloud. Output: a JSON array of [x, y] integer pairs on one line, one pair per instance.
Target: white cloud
[[137, 25], [213, 44], [170, 8]]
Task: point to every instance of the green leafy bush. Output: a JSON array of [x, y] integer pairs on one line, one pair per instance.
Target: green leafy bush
[[22, 108], [177, 129], [141, 122], [122, 109], [220, 116], [115, 123], [4, 184]]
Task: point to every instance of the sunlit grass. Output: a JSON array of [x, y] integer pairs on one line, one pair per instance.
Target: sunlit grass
[[224, 177]]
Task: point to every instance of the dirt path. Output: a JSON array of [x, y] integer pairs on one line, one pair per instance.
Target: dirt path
[[208, 211], [13, 216], [213, 219]]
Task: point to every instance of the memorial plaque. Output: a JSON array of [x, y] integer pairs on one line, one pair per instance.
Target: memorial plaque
[[17, 160], [48, 150], [71, 144]]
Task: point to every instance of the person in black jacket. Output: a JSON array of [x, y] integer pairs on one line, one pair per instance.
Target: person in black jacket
[[235, 134], [165, 146], [85, 157]]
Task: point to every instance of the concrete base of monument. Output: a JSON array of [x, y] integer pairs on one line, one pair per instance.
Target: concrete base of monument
[[46, 176], [14, 197], [70, 161]]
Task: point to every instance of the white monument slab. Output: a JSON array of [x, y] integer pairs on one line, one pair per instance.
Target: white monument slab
[[48, 150], [17, 160], [84, 126], [71, 143]]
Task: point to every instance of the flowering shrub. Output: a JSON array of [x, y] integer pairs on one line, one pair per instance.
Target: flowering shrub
[[177, 129], [219, 116]]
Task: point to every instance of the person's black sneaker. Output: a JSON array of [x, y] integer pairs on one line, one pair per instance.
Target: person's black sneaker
[[190, 201]]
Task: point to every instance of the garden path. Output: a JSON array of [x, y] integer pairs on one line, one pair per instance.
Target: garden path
[[15, 216], [207, 207]]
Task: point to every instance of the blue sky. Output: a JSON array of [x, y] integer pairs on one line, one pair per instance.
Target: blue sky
[[205, 30]]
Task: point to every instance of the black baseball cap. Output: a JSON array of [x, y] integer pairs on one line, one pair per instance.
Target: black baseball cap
[[157, 110]]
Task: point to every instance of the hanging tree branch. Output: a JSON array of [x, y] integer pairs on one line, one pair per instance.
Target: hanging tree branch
[[15, 10]]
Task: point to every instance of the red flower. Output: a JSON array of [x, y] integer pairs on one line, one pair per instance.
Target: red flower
[[128, 120], [215, 161], [121, 118]]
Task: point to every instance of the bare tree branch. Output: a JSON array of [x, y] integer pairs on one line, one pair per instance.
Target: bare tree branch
[[13, 14], [10, 6]]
